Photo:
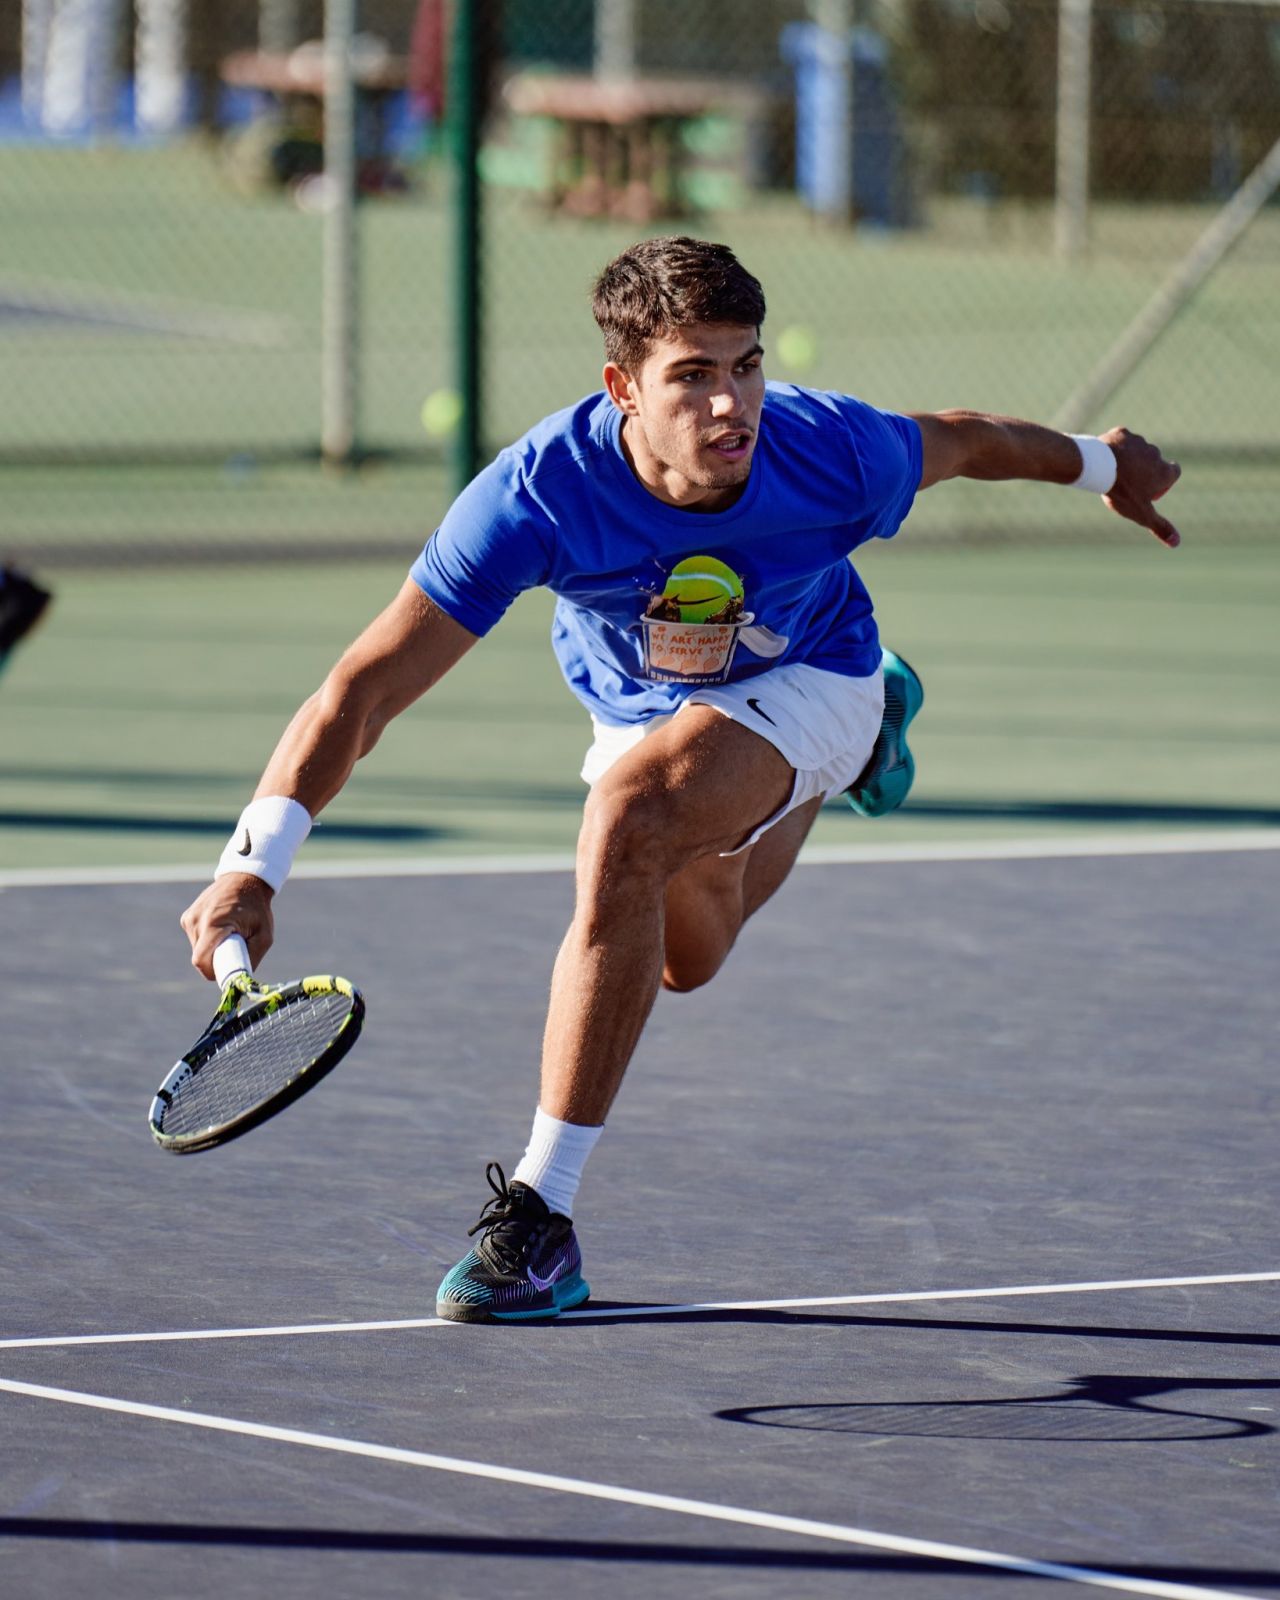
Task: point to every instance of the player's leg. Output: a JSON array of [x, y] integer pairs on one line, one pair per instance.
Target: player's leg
[[715, 802], [709, 900], [700, 786], [721, 776], [826, 725]]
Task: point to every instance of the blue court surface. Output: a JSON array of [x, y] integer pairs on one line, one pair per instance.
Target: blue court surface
[[933, 1251]]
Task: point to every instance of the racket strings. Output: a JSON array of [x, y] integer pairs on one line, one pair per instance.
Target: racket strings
[[252, 1057]]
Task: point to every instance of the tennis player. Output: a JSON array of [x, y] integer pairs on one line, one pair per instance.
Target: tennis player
[[695, 524]]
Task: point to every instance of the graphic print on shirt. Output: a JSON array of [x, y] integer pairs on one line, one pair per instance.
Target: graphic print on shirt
[[691, 629]]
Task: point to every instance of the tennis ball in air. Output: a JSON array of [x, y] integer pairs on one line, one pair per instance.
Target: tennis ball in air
[[797, 348], [441, 412], [701, 586]]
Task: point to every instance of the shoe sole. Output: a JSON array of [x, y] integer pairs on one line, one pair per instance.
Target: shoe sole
[[565, 1295], [892, 784]]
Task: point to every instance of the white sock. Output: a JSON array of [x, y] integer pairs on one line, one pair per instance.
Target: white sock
[[555, 1158]]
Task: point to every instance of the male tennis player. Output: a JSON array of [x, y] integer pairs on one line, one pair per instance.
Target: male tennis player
[[695, 524]]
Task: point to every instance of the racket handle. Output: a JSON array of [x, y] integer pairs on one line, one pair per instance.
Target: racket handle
[[231, 956]]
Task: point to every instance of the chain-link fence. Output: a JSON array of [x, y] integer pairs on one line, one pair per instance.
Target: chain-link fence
[[1033, 206]]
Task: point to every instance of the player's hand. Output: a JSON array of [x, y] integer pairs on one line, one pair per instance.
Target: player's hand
[[1142, 476], [237, 902]]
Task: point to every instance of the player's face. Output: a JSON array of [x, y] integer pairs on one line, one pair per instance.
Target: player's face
[[692, 413]]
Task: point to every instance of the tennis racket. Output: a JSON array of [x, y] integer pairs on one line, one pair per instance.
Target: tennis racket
[[267, 1044]]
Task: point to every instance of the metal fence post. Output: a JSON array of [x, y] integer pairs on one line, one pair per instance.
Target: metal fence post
[[339, 355], [464, 114], [1071, 204]]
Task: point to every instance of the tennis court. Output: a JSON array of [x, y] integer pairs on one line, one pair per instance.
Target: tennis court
[[879, 1320], [1035, 1056], [932, 1247]]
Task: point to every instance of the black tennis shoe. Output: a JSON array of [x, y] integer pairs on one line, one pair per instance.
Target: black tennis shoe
[[22, 604], [527, 1263]]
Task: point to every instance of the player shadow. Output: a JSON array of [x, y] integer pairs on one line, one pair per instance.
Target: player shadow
[[623, 1552], [1102, 1408]]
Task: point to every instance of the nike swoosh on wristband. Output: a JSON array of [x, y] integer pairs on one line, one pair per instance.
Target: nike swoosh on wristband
[[759, 710], [544, 1283], [246, 849]]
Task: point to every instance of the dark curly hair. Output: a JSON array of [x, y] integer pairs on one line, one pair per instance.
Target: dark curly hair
[[662, 284]]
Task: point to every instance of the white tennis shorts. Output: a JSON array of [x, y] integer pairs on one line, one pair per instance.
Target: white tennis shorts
[[823, 723]]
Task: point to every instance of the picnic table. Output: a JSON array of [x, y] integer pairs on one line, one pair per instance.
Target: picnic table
[[619, 144], [295, 80]]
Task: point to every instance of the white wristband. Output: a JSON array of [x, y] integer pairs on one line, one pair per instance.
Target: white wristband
[[266, 840], [1098, 473]]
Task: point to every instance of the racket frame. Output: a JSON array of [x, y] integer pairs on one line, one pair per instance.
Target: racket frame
[[238, 988]]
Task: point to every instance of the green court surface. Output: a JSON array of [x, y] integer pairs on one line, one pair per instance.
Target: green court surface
[[1113, 686]]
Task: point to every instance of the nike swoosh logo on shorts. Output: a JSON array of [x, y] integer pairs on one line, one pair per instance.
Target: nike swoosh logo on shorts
[[759, 710], [544, 1283], [246, 849]]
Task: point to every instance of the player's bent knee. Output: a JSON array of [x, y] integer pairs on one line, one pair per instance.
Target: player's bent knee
[[628, 830]]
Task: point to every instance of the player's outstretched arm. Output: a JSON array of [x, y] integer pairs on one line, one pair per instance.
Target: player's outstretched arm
[[970, 444], [398, 657]]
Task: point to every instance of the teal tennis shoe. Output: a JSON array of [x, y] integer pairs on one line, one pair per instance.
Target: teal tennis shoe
[[886, 780], [527, 1263]]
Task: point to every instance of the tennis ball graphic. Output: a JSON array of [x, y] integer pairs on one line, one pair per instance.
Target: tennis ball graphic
[[702, 587]]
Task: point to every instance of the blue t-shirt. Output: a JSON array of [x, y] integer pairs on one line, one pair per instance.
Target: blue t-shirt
[[561, 507]]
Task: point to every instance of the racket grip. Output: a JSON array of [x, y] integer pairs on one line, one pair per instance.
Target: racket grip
[[231, 956]]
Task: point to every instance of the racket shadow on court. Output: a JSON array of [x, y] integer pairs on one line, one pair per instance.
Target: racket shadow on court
[[1100, 1408]]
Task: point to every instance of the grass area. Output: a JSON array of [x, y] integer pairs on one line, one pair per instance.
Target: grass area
[[971, 309], [1094, 687]]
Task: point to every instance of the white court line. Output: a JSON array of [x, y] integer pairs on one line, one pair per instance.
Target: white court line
[[804, 1527], [1196, 842], [178, 1337], [619, 1313]]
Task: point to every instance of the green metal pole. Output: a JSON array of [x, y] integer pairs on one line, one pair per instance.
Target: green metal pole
[[464, 103]]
